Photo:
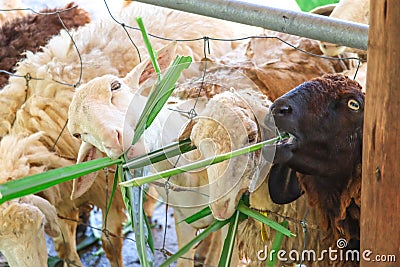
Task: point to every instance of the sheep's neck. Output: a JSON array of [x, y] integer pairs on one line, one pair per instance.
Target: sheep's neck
[[334, 197]]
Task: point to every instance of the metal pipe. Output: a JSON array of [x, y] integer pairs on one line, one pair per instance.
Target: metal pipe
[[297, 23]]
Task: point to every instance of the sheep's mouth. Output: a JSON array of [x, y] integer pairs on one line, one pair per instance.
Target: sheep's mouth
[[285, 147], [286, 138]]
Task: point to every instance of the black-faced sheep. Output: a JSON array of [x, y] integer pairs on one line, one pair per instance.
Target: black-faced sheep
[[322, 159], [30, 32]]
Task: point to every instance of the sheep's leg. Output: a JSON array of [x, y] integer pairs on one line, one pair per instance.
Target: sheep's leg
[[65, 244], [112, 243], [214, 252], [209, 250], [185, 233], [203, 248]]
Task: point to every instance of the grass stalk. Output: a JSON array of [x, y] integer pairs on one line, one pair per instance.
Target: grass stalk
[[199, 164]]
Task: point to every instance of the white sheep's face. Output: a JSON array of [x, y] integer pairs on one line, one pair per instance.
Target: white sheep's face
[[98, 109], [97, 112]]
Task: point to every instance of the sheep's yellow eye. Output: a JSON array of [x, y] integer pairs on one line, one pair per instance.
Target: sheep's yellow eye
[[115, 85], [353, 104]]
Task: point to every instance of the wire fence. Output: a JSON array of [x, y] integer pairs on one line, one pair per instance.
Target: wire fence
[[206, 45]]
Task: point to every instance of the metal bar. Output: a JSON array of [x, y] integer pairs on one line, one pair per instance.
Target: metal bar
[[297, 23]]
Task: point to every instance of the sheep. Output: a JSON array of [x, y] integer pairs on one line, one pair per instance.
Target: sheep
[[12, 14], [24, 220], [231, 120], [282, 67], [274, 72], [325, 118], [354, 11], [30, 32], [22, 156], [122, 95], [40, 104]]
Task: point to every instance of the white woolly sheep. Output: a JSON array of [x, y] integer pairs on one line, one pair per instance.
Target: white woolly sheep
[[24, 220], [26, 156], [349, 10], [232, 120], [41, 104], [122, 98]]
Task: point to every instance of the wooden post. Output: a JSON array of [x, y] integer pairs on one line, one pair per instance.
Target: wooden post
[[380, 194]]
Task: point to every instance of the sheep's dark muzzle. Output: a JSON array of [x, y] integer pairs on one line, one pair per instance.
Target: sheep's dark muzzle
[[284, 112], [283, 184]]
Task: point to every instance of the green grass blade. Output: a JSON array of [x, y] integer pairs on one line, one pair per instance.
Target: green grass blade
[[152, 53], [198, 215], [199, 164], [259, 217], [276, 246], [41, 181], [52, 261], [214, 226], [163, 153], [138, 219], [127, 195], [227, 250], [150, 240], [159, 95], [167, 85], [114, 188]]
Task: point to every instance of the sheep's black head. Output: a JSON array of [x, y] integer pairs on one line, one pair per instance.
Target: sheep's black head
[[324, 118]]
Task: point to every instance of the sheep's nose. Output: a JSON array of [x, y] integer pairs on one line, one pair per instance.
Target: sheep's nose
[[281, 108]]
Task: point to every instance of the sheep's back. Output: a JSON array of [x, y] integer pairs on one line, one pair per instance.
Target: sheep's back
[[30, 32]]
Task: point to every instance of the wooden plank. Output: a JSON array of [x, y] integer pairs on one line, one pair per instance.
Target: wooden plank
[[380, 194]]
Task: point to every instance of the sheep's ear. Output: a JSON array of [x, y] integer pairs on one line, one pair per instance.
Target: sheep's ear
[[283, 184], [145, 70], [82, 184]]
